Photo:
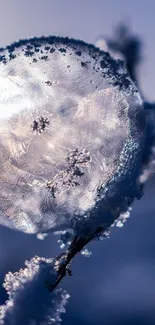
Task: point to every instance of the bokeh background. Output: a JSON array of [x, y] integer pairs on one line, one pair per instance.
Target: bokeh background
[[116, 285]]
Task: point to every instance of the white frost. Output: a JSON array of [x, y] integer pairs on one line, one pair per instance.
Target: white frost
[[30, 301]]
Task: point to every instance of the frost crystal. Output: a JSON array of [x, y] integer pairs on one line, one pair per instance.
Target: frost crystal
[[71, 131], [122, 218], [149, 148], [86, 252], [30, 301], [65, 237]]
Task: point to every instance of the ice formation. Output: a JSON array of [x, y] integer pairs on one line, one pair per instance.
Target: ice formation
[[30, 301], [149, 147], [71, 136]]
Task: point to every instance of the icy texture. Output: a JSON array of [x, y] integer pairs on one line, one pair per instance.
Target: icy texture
[[71, 125], [149, 148], [122, 218], [30, 301], [65, 237]]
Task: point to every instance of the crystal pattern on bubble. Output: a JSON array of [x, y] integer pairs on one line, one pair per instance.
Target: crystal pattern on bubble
[[70, 134]]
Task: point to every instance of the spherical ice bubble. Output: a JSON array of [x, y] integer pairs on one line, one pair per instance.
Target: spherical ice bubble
[[71, 133]]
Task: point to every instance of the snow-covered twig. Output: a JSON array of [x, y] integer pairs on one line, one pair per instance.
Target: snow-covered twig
[[30, 300]]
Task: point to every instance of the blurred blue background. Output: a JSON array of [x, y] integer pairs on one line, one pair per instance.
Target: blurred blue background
[[116, 285]]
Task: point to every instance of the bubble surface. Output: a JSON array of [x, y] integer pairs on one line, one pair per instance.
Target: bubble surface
[[69, 131]]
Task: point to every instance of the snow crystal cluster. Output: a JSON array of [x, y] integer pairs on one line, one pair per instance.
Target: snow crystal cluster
[[30, 300], [119, 222], [71, 135], [85, 252]]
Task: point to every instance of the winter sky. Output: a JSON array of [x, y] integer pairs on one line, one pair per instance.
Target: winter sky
[[83, 19]]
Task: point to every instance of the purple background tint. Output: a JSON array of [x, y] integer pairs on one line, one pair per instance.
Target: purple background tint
[[84, 19], [116, 286]]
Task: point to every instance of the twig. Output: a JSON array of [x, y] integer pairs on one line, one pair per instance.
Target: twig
[[64, 260]]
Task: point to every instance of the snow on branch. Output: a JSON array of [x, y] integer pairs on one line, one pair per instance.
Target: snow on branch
[[30, 300]]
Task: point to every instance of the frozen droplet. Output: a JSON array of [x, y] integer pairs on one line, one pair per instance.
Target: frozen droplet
[[69, 147]]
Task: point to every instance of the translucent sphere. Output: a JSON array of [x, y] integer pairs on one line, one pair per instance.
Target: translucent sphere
[[71, 127]]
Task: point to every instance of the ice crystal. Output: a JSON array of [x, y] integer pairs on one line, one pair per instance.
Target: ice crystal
[[85, 252], [71, 134], [122, 218]]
